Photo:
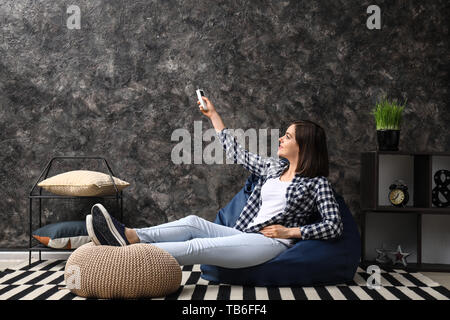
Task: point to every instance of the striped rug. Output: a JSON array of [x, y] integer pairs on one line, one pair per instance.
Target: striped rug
[[44, 280]]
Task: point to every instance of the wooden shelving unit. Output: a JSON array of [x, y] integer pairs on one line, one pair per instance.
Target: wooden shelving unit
[[374, 200]]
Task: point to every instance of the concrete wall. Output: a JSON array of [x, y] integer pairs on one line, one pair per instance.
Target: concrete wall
[[119, 87]]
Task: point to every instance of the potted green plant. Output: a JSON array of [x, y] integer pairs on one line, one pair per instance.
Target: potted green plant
[[388, 116]]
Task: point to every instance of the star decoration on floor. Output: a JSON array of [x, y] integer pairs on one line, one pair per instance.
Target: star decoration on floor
[[400, 256], [382, 255]]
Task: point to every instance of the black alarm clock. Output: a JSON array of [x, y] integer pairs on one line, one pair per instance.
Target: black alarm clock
[[398, 194]]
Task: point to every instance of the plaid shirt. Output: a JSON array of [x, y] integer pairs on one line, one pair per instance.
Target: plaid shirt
[[305, 197]]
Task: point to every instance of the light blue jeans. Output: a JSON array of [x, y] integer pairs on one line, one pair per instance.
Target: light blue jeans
[[194, 240]]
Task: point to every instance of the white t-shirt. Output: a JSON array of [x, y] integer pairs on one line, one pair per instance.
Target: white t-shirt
[[273, 201]]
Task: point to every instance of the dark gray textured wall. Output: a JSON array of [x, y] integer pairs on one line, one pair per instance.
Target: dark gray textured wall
[[120, 86]]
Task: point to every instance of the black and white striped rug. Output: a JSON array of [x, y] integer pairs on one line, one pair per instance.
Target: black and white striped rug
[[44, 280]]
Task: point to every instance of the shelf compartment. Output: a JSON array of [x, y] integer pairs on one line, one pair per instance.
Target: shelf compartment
[[391, 168], [380, 169], [417, 170], [393, 229]]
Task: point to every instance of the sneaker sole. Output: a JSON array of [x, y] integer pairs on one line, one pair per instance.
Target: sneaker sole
[[110, 224], [90, 230]]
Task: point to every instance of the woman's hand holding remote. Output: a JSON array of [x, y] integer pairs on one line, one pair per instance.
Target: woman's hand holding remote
[[209, 105], [212, 114]]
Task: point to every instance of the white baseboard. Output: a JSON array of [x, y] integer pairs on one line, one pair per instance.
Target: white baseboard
[[22, 255]]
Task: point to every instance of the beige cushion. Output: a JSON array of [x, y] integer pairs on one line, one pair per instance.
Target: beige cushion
[[139, 270], [82, 183]]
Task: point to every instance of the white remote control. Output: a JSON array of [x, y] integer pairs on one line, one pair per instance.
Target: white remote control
[[201, 94]]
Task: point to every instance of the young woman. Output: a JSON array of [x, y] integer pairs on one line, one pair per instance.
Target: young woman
[[289, 193]]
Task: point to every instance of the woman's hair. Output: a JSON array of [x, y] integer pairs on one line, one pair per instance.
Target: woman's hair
[[313, 151]]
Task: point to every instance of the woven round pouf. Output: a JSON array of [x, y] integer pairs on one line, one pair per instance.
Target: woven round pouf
[[135, 271]]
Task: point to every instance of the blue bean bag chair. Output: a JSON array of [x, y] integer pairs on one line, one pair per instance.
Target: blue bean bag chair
[[308, 263]]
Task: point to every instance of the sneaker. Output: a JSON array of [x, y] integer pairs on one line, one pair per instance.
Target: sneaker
[[96, 237], [112, 230]]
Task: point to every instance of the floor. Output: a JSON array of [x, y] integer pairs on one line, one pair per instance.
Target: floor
[[440, 277], [4, 264]]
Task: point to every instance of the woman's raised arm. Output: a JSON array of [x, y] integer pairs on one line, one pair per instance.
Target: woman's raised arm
[[212, 114], [250, 161]]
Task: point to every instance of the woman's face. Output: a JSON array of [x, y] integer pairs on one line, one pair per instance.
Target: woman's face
[[288, 147]]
